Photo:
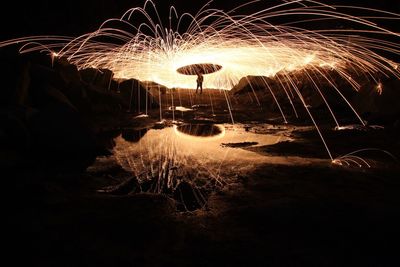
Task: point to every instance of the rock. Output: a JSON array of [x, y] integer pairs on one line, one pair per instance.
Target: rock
[[260, 90], [155, 88], [134, 95], [159, 125], [130, 186], [55, 97], [65, 78], [148, 185], [101, 78], [79, 96], [42, 77], [103, 102], [15, 138], [379, 104], [68, 72], [188, 197], [23, 84], [133, 135], [47, 89], [314, 83], [61, 140], [57, 134], [252, 83], [89, 75], [14, 75]]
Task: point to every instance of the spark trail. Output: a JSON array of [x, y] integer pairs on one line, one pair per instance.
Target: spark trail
[[138, 45]]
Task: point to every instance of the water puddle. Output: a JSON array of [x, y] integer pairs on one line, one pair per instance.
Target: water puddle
[[195, 149], [189, 161], [180, 108]]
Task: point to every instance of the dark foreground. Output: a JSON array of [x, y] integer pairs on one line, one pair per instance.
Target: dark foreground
[[277, 216], [314, 214]]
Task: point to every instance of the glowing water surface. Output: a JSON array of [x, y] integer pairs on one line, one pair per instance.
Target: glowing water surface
[[189, 151]]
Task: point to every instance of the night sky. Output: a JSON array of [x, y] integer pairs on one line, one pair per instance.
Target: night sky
[[75, 17]]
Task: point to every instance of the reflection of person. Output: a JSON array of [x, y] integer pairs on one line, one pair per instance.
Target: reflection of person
[[200, 80]]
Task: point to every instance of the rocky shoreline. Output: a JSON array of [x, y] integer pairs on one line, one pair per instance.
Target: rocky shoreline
[[70, 203]]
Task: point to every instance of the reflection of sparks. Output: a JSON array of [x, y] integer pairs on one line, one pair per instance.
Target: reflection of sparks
[[352, 159], [180, 108], [202, 157], [242, 44]]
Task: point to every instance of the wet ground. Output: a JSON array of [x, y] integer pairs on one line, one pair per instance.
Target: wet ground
[[272, 196]]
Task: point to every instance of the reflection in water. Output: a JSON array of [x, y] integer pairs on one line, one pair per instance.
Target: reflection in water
[[188, 162], [193, 152], [180, 108], [200, 130]]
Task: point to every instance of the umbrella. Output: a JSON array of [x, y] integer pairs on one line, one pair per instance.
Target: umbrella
[[201, 68]]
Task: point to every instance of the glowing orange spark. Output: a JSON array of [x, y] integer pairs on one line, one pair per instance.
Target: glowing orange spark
[[242, 44]]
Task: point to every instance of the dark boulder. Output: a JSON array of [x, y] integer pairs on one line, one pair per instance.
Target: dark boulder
[[68, 72], [86, 98], [66, 78], [135, 96], [188, 197], [155, 88], [129, 186], [133, 135], [61, 139], [103, 102], [288, 88], [47, 112], [252, 83], [377, 102], [14, 76], [15, 138], [43, 77], [89, 75], [101, 78], [318, 87]]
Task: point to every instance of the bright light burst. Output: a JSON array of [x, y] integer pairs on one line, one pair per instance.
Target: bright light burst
[[242, 44]]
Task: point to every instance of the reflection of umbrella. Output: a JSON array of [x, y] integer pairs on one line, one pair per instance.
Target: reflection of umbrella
[[202, 68], [201, 130]]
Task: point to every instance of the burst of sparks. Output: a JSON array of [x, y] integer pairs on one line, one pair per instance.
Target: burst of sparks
[[243, 45]]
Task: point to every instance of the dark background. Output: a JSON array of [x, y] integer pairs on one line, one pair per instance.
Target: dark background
[[75, 17]]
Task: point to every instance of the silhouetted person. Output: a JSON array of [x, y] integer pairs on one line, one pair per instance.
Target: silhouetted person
[[200, 80]]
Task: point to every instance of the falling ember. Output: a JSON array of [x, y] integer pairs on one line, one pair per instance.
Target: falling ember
[[379, 88]]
